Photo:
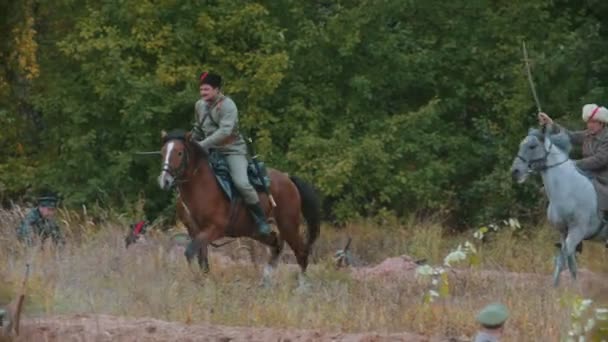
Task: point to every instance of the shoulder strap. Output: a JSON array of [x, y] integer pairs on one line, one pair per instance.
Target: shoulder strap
[[218, 105]]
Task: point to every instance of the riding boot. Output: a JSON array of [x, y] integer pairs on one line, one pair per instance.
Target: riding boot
[[260, 219]]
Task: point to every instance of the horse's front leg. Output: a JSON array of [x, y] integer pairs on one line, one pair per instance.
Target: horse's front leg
[[199, 246], [559, 261], [191, 250], [203, 256]]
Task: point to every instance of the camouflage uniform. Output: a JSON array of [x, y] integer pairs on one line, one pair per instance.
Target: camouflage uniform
[[34, 223], [216, 127]]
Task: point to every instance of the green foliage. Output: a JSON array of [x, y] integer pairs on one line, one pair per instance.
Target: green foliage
[[403, 107]]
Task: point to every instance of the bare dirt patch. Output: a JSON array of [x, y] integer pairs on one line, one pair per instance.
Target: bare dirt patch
[[112, 328]]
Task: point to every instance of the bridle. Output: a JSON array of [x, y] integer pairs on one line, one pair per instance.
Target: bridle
[[179, 171], [540, 164]]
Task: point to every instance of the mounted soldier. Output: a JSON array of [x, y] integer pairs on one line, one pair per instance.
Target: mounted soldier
[[40, 222], [216, 128], [594, 142]]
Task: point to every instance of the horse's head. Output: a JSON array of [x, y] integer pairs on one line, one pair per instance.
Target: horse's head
[[535, 151], [136, 231], [175, 154]]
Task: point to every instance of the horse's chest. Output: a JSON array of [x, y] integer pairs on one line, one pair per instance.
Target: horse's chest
[[558, 215]]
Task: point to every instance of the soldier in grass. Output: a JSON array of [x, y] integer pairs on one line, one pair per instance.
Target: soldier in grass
[[492, 319], [40, 222]]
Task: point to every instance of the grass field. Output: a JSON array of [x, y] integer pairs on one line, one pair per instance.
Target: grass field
[[94, 273]]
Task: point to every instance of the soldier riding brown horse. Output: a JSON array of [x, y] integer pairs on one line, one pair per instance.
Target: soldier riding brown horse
[[209, 215]]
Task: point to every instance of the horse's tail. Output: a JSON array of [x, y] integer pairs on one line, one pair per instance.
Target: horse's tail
[[311, 209]]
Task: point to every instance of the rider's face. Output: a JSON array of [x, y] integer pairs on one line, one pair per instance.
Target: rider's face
[[46, 212], [594, 126], [208, 93]]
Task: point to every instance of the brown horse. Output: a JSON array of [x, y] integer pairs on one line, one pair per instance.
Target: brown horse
[[207, 212]]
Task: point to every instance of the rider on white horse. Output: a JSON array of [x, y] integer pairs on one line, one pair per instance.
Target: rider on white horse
[[594, 142]]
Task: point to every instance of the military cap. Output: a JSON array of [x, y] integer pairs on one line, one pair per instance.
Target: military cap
[[48, 200], [211, 79], [492, 315]]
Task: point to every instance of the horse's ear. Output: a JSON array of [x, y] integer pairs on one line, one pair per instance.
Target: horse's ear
[[163, 135], [188, 136]]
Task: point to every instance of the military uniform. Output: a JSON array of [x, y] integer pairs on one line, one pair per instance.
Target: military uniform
[[34, 224], [595, 152], [492, 318], [217, 127], [594, 161]]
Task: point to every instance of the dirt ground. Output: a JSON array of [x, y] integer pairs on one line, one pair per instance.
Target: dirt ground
[[110, 328]]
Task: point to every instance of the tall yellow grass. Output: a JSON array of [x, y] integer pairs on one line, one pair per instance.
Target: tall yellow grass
[[95, 273]]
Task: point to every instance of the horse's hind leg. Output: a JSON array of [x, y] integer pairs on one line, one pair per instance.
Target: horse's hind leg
[[575, 236], [298, 246]]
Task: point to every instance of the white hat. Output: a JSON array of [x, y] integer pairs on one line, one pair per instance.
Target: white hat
[[595, 112]]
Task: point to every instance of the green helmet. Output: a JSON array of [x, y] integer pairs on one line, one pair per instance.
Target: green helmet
[[492, 315]]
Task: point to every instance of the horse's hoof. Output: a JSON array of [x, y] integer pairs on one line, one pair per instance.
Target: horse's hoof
[[303, 287], [303, 284], [265, 283], [267, 276], [189, 256]]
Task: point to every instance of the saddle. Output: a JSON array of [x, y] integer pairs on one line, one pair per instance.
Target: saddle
[[260, 181]]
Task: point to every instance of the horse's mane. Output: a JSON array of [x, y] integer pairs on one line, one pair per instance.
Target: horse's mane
[[180, 134], [560, 139]]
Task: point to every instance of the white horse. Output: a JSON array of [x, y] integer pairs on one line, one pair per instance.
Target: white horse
[[573, 209]]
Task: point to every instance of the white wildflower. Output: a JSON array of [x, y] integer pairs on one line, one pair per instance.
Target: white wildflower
[[576, 329], [514, 223], [601, 314], [590, 325], [470, 247], [433, 293], [585, 304], [425, 270], [455, 256], [578, 310]]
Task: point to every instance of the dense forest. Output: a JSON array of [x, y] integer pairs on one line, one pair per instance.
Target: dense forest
[[406, 107]]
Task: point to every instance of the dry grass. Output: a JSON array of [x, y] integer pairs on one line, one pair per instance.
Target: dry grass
[[95, 273]]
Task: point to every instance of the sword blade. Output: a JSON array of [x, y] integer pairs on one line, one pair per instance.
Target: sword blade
[[530, 80], [148, 153]]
